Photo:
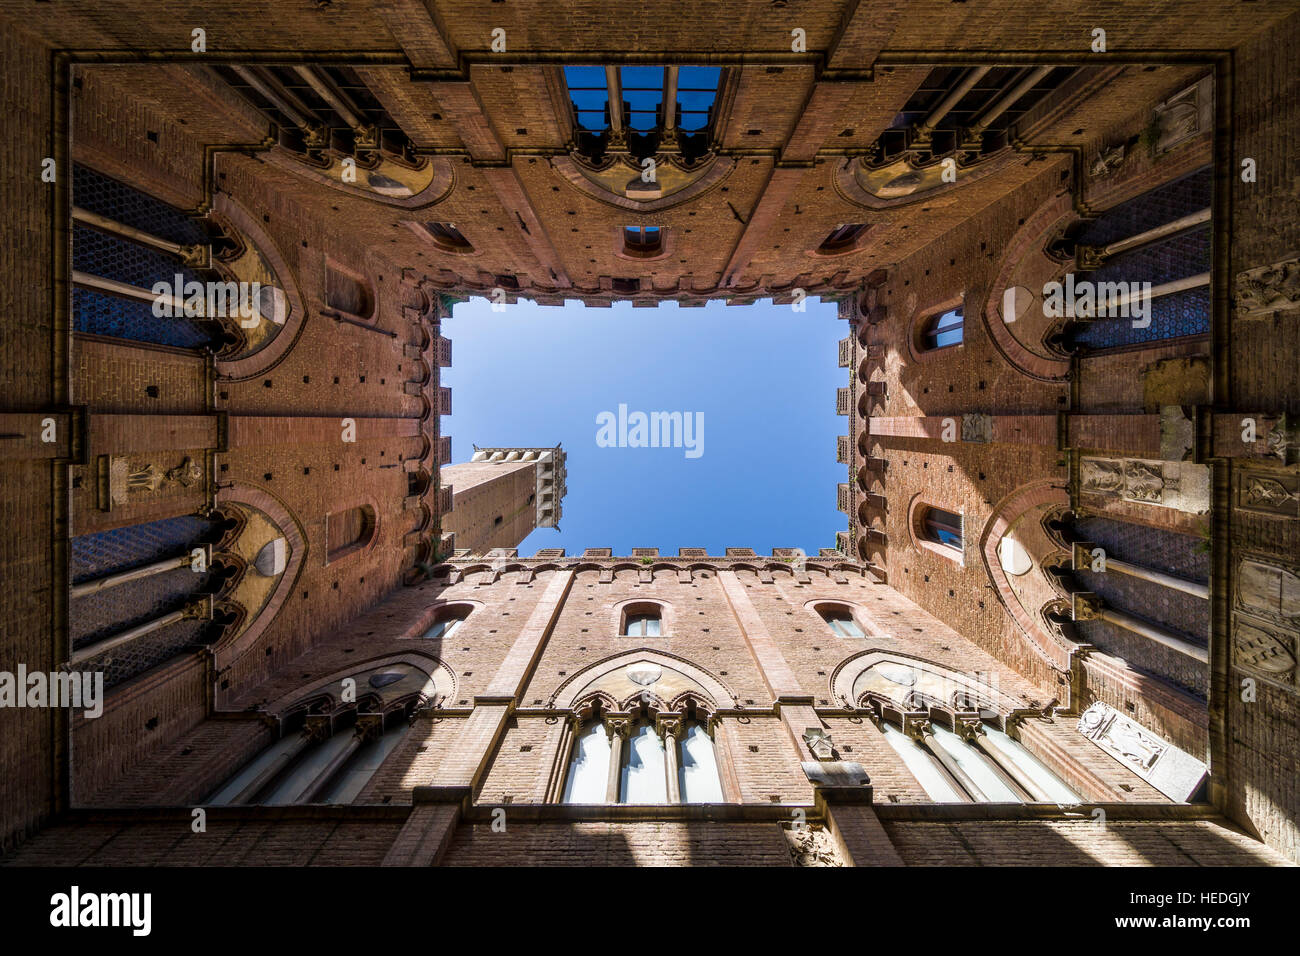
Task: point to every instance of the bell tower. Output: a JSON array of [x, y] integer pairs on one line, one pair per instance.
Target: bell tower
[[501, 494]]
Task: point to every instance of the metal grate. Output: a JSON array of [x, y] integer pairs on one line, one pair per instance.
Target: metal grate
[[120, 664], [108, 552], [1145, 654], [108, 197], [98, 313], [113, 257], [1178, 554], [1164, 204], [1177, 257], [117, 609], [1172, 316]]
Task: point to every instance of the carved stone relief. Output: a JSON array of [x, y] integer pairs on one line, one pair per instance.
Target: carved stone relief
[[1264, 649], [1100, 476], [1171, 771], [1182, 486], [811, 845], [819, 743], [127, 479], [1259, 293], [1185, 115], [977, 427], [1268, 591], [1268, 492], [1108, 161]]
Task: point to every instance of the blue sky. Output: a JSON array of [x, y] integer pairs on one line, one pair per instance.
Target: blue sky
[[764, 377]]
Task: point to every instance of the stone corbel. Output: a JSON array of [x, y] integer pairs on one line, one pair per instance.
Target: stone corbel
[[669, 726], [967, 724], [819, 743], [369, 726], [1086, 606]]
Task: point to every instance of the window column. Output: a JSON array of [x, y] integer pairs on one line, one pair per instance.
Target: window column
[[670, 729], [972, 731], [618, 729], [922, 731]]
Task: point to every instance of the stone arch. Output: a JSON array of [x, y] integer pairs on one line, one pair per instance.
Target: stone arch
[[435, 609], [1026, 245], [609, 675], [271, 354], [439, 683], [365, 516], [1021, 503], [236, 493], [430, 179], [894, 676], [349, 293]]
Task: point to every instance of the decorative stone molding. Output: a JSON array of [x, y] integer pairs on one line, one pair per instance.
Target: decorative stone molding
[[612, 677], [901, 680], [1029, 240], [912, 177], [617, 181], [423, 677], [232, 646], [1005, 514], [379, 176]]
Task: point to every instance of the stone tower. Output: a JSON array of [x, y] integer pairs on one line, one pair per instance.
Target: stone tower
[[501, 495]]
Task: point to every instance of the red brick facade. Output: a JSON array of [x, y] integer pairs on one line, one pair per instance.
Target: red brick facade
[[312, 468]]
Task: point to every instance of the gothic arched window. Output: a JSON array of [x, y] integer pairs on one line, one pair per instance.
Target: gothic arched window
[[671, 760], [643, 772], [844, 238], [447, 237], [348, 293], [327, 762], [697, 765], [588, 777], [984, 765], [642, 241]]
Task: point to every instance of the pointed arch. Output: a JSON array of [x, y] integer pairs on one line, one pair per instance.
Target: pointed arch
[[593, 678]]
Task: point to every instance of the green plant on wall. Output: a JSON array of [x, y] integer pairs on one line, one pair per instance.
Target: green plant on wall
[[1205, 545], [1149, 138]]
